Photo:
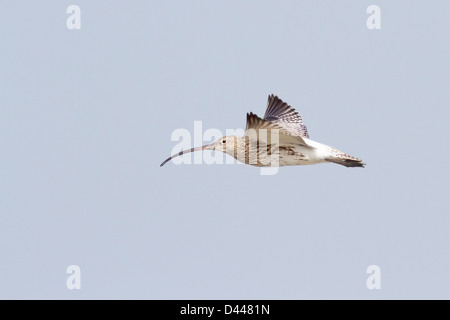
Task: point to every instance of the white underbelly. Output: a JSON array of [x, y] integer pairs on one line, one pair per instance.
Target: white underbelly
[[298, 155]]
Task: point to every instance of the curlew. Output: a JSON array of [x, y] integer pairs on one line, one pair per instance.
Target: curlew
[[278, 139]]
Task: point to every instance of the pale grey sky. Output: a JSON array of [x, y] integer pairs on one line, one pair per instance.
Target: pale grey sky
[[86, 118]]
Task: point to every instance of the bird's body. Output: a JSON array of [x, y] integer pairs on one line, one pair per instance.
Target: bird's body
[[278, 139]]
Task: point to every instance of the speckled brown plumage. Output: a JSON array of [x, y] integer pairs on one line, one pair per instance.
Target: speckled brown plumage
[[279, 139]]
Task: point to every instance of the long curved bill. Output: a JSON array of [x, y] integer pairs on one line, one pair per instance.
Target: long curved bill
[[183, 152]]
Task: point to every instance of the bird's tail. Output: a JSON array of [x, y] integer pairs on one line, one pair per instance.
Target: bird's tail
[[346, 160]]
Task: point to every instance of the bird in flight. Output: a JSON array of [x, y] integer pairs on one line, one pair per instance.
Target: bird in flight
[[278, 139]]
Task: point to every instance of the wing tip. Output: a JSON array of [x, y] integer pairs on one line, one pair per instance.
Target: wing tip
[[272, 97]]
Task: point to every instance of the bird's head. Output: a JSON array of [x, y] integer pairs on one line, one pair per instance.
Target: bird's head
[[225, 144]]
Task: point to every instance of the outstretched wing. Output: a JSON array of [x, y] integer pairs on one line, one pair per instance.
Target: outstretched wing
[[255, 126], [284, 115]]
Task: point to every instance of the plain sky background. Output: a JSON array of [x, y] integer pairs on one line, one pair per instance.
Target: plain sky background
[[86, 118]]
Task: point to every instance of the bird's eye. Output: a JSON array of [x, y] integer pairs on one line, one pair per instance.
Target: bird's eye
[[224, 141]]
